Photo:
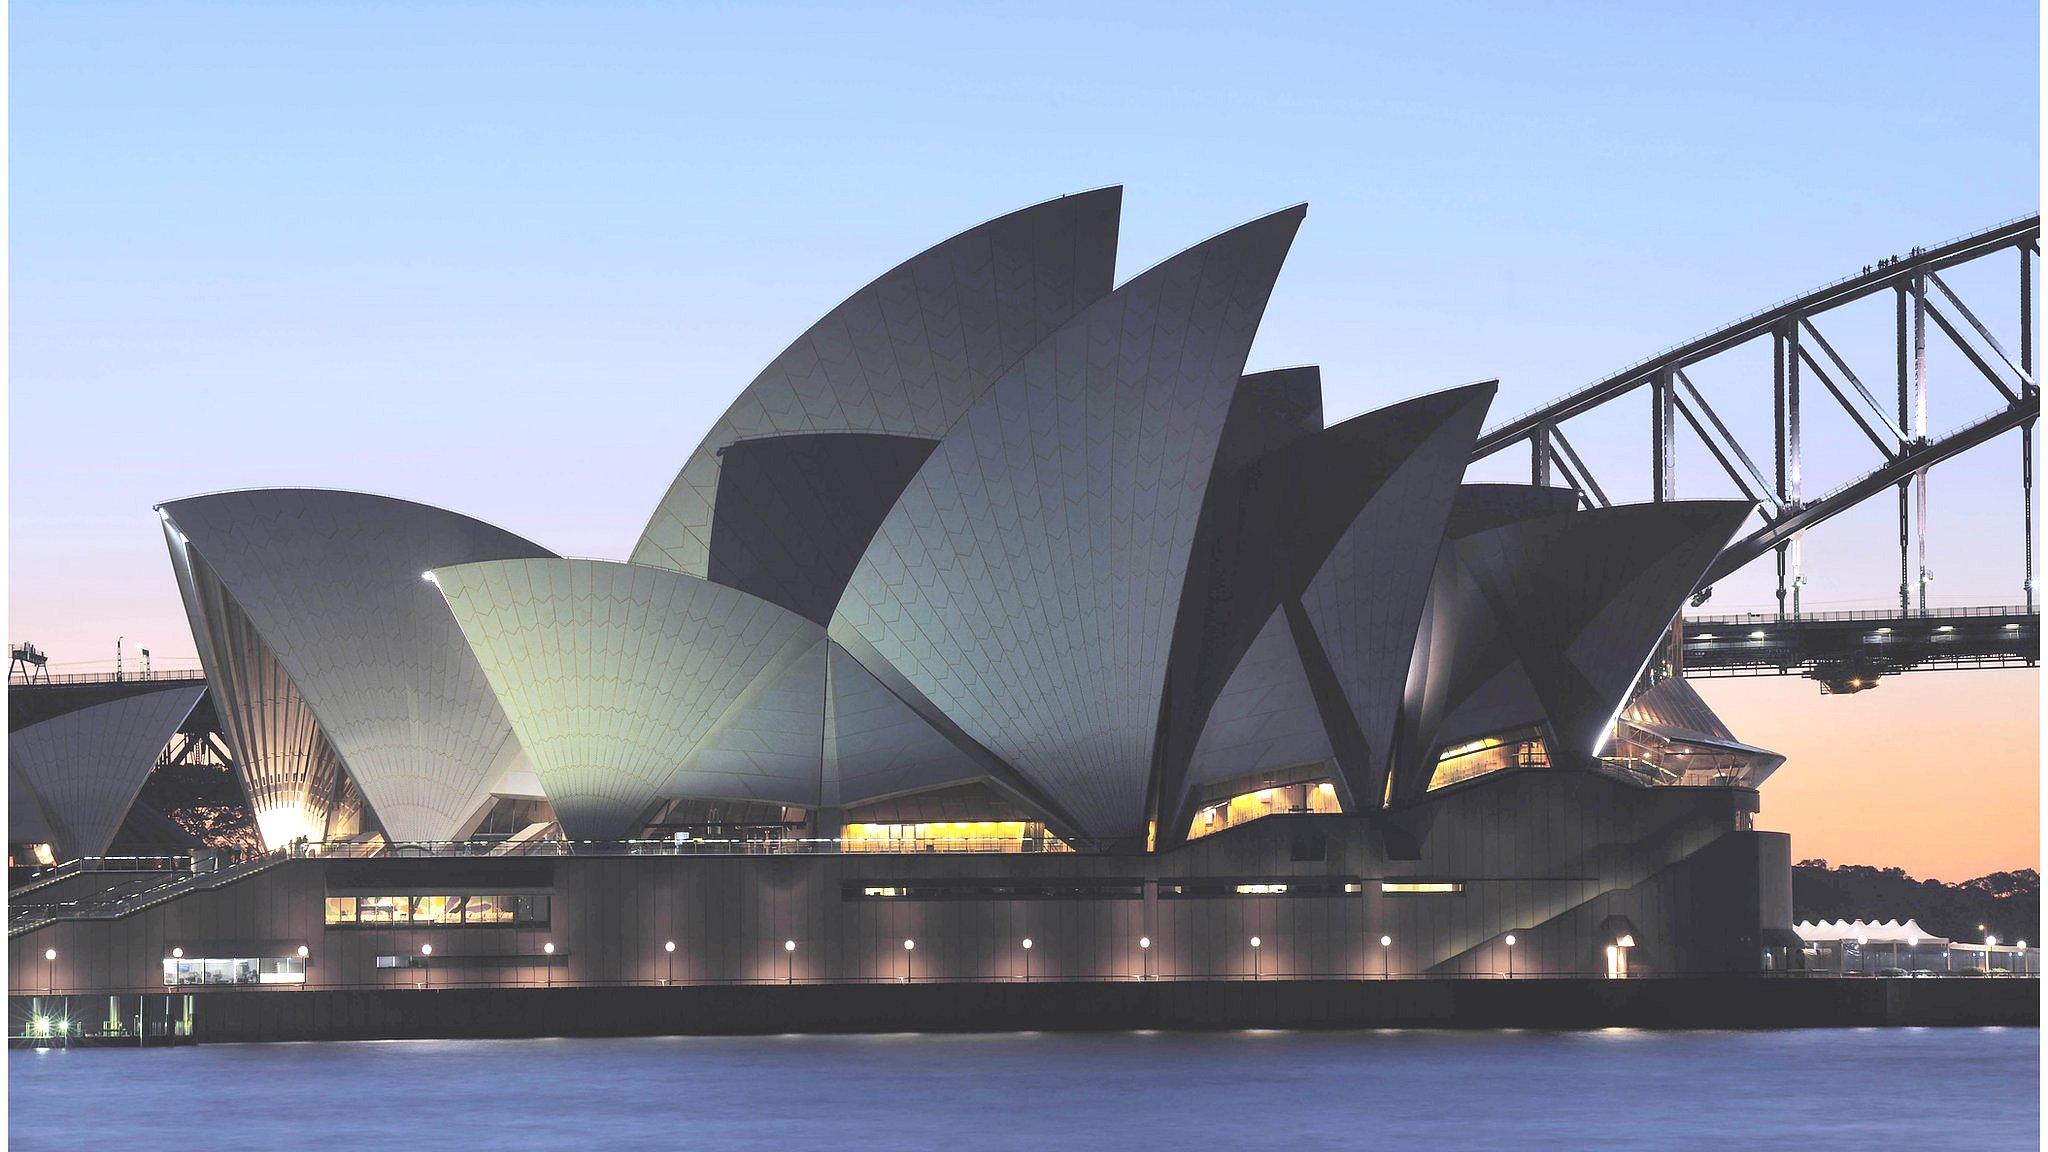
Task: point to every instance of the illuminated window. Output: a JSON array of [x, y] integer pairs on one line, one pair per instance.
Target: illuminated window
[[383, 909], [437, 909], [1420, 887], [951, 836], [1522, 748], [444, 911], [1318, 796], [240, 970]]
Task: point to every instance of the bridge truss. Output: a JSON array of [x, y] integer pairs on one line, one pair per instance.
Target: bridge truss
[[1896, 428]]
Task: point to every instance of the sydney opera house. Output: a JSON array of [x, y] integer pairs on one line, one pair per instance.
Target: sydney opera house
[[1005, 604]]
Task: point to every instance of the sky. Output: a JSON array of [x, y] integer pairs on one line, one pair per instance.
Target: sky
[[513, 259]]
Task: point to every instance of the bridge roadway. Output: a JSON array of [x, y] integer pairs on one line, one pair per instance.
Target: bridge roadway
[[1851, 651]]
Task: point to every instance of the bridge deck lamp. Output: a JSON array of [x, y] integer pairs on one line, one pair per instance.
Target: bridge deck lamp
[[1511, 955], [427, 965], [1255, 958], [1386, 970], [548, 949], [669, 958], [909, 946], [789, 954], [1027, 958], [50, 971], [1144, 957]]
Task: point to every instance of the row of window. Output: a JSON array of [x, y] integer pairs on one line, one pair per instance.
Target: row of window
[[382, 911], [1200, 889], [994, 890], [1210, 889], [244, 970]]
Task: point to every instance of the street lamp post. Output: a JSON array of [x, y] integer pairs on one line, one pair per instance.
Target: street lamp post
[[789, 953], [2019, 959], [909, 946], [1990, 942], [1144, 957], [1255, 958], [1511, 955], [304, 964], [1386, 969], [548, 950], [427, 965], [670, 977], [1027, 959], [49, 971]]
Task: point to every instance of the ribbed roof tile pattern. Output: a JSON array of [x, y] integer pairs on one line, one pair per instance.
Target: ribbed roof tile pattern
[[1029, 578], [614, 676], [1266, 716], [331, 581], [908, 353], [87, 766]]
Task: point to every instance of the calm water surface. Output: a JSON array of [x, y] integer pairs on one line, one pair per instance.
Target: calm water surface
[[1614, 1089]]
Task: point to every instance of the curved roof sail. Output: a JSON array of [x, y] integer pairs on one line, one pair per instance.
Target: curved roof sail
[[623, 679], [908, 353], [1583, 597], [80, 772], [317, 595], [1029, 579]]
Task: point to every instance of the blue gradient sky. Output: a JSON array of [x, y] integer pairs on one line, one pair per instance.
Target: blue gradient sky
[[512, 259]]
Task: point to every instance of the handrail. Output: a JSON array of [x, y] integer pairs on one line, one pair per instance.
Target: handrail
[[1770, 616], [154, 675]]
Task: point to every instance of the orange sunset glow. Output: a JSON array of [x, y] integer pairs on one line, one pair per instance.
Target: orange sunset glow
[[1934, 772]]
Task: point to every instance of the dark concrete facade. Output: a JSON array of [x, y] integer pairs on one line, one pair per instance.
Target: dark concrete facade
[[1565, 860]]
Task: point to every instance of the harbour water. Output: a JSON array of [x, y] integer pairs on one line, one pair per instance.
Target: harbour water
[[1608, 1089]]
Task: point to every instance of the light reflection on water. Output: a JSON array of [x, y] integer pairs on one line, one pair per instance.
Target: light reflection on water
[[1613, 1089]]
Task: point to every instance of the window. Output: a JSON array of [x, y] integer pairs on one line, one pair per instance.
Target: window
[[1421, 887], [1521, 748], [239, 970], [437, 911], [383, 909], [1080, 889], [1212, 888]]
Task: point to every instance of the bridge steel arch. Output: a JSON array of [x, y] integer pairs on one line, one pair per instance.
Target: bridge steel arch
[[1799, 350]]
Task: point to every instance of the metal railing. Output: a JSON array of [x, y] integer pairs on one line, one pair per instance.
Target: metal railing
[[1769, 616], [154, 675]]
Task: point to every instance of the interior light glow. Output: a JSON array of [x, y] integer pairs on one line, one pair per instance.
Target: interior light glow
[[1758, 635], [1884, 631], [2012, 627], [1946, 628], [1418, 887], [1705, 636]]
